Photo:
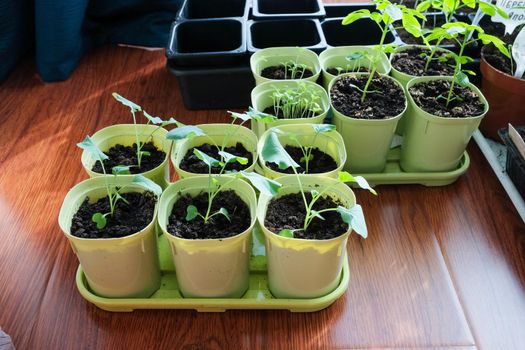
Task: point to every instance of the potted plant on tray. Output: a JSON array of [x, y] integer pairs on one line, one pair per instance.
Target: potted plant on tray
[[110, 223], [142, 147], [306, 227], [368, 106], [444, 111]]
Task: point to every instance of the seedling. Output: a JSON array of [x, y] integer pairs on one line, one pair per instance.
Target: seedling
[[296, 69], [306, 150], [354, 65], [296, 102], [451, 7], [113, 192], [274, 152], [461, 32], [134, 108], [390, 13]]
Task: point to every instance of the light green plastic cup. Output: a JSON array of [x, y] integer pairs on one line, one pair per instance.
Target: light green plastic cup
[[336, 57], [302, 268], [433, 143], [215, 133], [124, 134], [367, 141], [125, 267], [209, 268], [330, 143], [261, 99], [275, 56]]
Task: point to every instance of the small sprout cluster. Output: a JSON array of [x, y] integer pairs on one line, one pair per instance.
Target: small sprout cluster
[[296, 70], [355, 62], [296, 102]]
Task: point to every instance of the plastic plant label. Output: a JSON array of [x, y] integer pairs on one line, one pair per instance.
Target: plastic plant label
[[516, 12], [517, 140]]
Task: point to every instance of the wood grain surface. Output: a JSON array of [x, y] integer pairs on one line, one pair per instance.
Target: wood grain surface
[[443, 268]]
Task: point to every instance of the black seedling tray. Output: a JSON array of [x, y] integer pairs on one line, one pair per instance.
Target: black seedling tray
[[211, 42], [202, 9], [280, 9], [364, 31], [515, 164], [341, 10], [305, 33]]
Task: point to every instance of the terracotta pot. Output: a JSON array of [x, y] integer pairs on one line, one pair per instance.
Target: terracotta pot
[[505, 95]]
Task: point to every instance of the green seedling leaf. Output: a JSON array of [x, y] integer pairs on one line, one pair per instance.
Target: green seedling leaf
[[462, 79], [286, 233], [261, 183], [354, 16], [394, 12], [153, 120], [345, 176], [191, 212], [230, 158], [133, 106], [210, 161], [121, 169], [316, 214], [487, 8], [119, 197], [423, 6], [323, 128], [310, 157], [260, 116], [147, 184], [376, 17], [145, 153], [100, 220], [224, 212], [354, 56], [92, 148], [411, 25], [314, 193], [274, 152], [355, 218], [185, 131]]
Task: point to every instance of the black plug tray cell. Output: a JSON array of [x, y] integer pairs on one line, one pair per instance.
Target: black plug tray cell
[[305, 33], [273, 9], [364, 31], [210, 42], [202, 9], [341, 10]]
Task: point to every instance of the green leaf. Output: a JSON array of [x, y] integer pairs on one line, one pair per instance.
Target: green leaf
[[390, 48], [260, 116], [412, 25], [89, 145], [145, 153], [323, 128], [462, 79], [133, 106], [345, 176], [264, 185], [210, 161], [487, 8], [225, 213], [314, 193], [423, 6], [185, 131], [354, 16], [376, 17], [100, 220], [303, 159], [191, 212], [286, 233], [230, 158], [354, 56], [274, 152], [394, 12], [500, 45], [147, 184], [119, 197], [121, 169], [153, 120], [469, 3], [355, 218], [316, 214]]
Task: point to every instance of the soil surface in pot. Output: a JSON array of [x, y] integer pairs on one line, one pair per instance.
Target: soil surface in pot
[[216, 227], [495, 58], [127, 219], [467, 103], [335, 71], [288, 212], [412, 61], [193, 164], [320, 163], [279, 113], [281, 73], [127, 155], [384, 99]]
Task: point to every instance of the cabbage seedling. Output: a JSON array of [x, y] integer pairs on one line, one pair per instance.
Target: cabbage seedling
[[296, 69], [354, 60], [296, 102]]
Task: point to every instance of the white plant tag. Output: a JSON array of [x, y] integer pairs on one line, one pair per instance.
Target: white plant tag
[[517, 140], [516, 11]]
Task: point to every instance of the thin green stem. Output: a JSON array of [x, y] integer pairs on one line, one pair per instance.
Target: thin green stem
[[139, 155]]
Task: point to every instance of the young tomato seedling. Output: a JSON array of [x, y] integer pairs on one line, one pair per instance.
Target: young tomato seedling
[[354, 62], [451, 7], [113, 192], [274, 152], [296, 102]]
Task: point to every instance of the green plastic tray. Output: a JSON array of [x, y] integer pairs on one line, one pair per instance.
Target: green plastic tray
[[394, 175], [257, 296]]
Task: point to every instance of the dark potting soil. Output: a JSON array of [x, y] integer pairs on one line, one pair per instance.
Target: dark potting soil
[[408, 3], [281, 73], [127, 155], [288, 212], [193, 164], [334, 71], [384, 99], [425, 95], [413, 60], [128, 218], [279, 113], [216, 227], [320, 163], [495, 58]]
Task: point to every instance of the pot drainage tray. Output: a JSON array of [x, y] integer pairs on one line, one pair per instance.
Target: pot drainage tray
[[257, 296], [394, 175]]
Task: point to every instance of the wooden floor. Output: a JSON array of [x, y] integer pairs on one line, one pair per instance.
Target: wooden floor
[[443, 268]]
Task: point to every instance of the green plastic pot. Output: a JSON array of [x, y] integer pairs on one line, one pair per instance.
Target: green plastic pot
[[124, 134], [435, 143], [209, 268], [302, 268], [261, 99], [215, 133], [367, 141], [275, 56], [336, 57], [404, 78], [330, 143], [125, 267]]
